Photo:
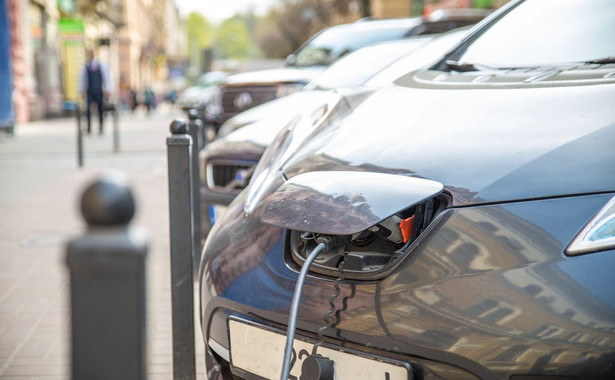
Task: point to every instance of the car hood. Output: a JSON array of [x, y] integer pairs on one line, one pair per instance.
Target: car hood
[[495, 143], [259, 126], [274, 76], [283, 109], [193, 94]]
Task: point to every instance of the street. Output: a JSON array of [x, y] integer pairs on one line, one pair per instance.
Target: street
[[40, 186]]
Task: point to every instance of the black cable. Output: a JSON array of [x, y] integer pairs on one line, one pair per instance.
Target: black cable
[[294, 310]]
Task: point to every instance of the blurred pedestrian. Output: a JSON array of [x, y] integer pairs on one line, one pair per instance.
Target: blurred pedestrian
[[95, 85], [135, 100], [150, 99], [172, 97]]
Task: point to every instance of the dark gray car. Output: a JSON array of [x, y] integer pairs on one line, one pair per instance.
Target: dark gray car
[[459, 224]]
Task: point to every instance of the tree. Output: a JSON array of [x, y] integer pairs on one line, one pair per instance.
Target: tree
[[200, 36], [233, 40], [366, 6], [292, 22], [199, 30]]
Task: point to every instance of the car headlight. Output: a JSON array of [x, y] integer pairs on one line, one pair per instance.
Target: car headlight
[[269, 169], [287, 89], [598, 234], [214, 105]]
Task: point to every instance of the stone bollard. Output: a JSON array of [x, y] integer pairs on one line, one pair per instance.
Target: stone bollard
[[107, 273], [179, 147]]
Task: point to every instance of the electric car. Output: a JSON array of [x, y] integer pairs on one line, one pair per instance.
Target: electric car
[[458, 224]]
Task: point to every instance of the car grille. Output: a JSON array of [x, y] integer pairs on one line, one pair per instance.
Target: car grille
[[229, 176], [232, 105]]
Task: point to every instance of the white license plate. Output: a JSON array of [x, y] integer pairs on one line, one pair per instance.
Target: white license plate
[[260, 352]]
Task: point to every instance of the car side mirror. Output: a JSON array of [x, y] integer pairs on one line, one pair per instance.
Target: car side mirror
[[291, 60]]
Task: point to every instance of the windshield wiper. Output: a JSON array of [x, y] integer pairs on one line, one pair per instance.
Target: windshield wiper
[[602, 61], [460, 67]]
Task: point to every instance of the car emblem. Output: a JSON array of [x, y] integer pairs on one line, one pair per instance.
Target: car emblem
[[243, 100], [242, 177]]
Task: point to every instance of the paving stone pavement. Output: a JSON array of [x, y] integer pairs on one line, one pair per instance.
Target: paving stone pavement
[[40, 186]]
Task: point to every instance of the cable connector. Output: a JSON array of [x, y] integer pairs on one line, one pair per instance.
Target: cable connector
[[333, 242]]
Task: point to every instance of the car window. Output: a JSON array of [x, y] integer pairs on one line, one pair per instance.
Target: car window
[[357, 67], [334, 43], [546, 32], [211, 79]]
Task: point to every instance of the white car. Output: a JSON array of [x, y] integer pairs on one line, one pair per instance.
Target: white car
[[200, 94]]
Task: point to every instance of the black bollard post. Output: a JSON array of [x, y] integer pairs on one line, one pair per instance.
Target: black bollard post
[[196, 122], [209, 130], [116, 130], [79, 136], [195, 128], [179, 147], [107, 271]]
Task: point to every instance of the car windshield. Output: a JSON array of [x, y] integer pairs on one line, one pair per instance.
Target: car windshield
[[546, 32], [428, 53], [357, 67], [334, 43]]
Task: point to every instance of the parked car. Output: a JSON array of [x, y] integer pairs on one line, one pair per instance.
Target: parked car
[[199, 95], [227, 164], [246, 90], [458, 224]]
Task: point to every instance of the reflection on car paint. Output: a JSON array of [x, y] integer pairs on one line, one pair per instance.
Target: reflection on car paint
[[446, 289]]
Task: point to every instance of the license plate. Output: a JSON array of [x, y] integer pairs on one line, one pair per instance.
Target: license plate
[[215, 213], [260, 352]]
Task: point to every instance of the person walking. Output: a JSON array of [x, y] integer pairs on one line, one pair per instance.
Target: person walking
[[149, 99], [95, 85]]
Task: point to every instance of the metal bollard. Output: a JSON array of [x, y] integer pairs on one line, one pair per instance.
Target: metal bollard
[[195, 128], [179, 147], [196, 122], [79, 135], [107, 271], [209, 131], [116, 130]]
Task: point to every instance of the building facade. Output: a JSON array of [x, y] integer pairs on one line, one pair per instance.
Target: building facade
[[150, 44], [34, 58], [49, 39]]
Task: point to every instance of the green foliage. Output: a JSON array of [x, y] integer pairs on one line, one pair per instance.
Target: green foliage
[[199, 30], [280, 32], [233, 40], [482, 4]]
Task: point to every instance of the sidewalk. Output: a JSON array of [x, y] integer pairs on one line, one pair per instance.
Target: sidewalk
[[40, 186]]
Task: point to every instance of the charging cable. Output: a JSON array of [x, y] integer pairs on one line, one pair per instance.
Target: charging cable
[[294, 309]]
